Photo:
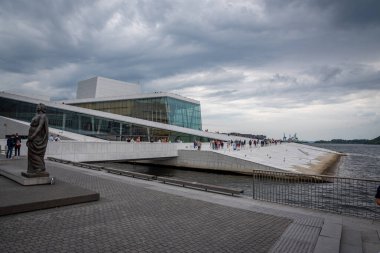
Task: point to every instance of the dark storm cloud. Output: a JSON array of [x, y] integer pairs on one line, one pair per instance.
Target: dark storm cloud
[[310, 50], [234, 56], [321, 85], [66, 31], [342, 13], [351, 12]]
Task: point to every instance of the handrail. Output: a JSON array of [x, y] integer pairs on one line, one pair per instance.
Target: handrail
[[343, 195], [205, 187], [130, 174], [316, 175]]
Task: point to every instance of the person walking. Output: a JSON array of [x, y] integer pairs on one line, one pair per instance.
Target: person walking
[[17, 146], [10, 145]]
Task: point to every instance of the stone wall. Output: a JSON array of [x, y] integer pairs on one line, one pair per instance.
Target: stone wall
[[103, 151], [109, 151]]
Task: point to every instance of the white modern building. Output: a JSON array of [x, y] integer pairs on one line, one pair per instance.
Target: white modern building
[[99, 113], [101, 123]]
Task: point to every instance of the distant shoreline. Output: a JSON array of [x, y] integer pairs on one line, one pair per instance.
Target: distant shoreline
[[375, 141]]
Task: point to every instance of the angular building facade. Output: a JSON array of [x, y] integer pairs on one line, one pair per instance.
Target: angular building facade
[[149, 117], [126, 99], [162, 107]]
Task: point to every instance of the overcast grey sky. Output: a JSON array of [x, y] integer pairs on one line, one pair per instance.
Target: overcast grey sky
[[263, 67]]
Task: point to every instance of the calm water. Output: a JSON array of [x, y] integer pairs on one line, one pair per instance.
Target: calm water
[[222, 179], [353, 197], [362, 161]]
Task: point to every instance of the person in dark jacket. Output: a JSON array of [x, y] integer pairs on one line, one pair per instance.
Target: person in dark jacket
[[378, 196], [10, 145], [17, 146]]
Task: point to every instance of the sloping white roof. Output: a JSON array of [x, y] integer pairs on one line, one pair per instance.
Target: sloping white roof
[[133, 96]]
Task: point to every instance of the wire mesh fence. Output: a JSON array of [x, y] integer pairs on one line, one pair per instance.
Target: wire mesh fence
[[349, 196]]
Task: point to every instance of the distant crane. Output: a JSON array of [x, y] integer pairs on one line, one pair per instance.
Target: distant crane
[[291, 138]]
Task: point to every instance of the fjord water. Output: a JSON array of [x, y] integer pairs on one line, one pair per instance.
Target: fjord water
[[360, 161], [347, 196], [344, 196]]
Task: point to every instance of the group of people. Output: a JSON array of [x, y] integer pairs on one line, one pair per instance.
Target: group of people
[[197, 145], [13, 142], [138, 139], [241, 144], [56, 138], [160, 140]]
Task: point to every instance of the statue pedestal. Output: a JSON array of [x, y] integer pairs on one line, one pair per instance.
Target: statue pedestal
[[35, 178], [35, 175], [15, 174]]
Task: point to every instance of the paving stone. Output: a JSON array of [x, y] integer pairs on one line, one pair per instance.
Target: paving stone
[[332, 230], [370, 247], [370, 236], [129, 218], [351, 237], [327, 244], [297, 238], [348, 248]]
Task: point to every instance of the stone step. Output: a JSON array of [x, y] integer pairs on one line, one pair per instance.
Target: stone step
[[360, 241], [371, 241], [351, 241], [329, 238]]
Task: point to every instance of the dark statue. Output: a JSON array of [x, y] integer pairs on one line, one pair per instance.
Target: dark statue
[[37, 142]]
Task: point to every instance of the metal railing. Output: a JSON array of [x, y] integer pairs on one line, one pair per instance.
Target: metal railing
[[349, 196]]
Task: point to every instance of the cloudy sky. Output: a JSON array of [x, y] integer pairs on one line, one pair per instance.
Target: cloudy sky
[[257, 66]]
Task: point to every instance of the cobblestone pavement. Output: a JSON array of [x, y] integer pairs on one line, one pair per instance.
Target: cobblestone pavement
[[131, 218]]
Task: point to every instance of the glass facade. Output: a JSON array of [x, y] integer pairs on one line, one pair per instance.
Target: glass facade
[[165, 110], [91, 125]]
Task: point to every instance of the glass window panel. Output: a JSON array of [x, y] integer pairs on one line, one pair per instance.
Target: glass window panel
[[164, 109]]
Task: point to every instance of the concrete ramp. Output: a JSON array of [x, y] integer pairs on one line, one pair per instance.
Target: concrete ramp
[[289, 157], [286, 157]]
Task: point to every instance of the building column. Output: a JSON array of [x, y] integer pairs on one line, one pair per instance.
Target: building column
[[63, 121], [79, 124], [93, 124]]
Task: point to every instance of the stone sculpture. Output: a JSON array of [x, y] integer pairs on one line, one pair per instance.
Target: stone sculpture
[[37, 142]]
